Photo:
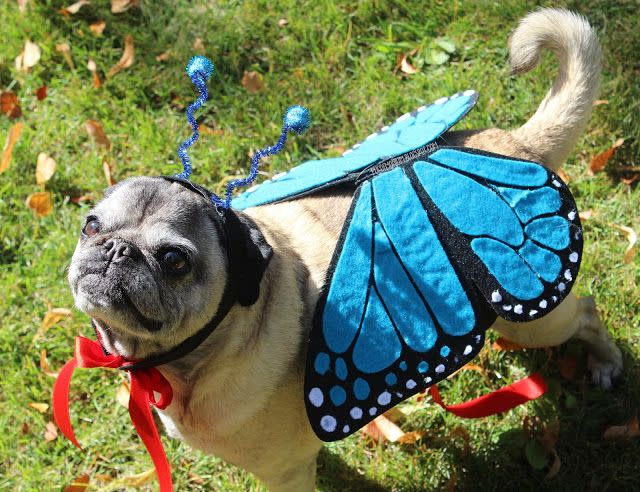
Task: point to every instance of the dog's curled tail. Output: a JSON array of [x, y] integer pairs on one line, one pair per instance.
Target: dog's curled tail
[[554, 129]]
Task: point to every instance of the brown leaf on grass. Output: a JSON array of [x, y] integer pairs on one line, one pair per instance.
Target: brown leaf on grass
[[50, 432], [460, 431], [122, 394], [25, 428], [568, 367], [137, 480], [30, 55], [74, 8], [411, 437], [629, 181], [107, 167], [120, 6], [65, 49], [7, 151], [40, 407], [382, 429], [403, 64], [79, 484], [555, 466], [622, 432], [10, 105], [198, 45], [632, 237], [473, 367], [586, 214], [81, 198], [128, 56], [44, 365], [41, 93], [45, 167], [502, 343], [91, 65], [163, 57], [22, 6], [96, 132], [599, 102], [40, 202], [599, 162], [283, 22], [97, 27], [52, 317], [207, 130], [563, 175], [195, 478], [252, 82]]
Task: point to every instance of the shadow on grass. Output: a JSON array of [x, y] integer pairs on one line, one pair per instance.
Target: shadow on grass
[[334, 475]]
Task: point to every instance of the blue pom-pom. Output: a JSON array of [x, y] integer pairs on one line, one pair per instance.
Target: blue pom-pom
[[200, 64], [297, 118]]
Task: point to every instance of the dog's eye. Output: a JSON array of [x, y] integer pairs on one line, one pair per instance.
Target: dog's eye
[[91, 228], [175, 262]]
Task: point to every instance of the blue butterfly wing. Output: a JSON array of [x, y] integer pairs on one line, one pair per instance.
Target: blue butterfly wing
[[512, 223], [432, 251], [397, 316], [409, 132]]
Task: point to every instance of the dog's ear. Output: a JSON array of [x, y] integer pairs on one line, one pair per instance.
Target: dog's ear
[[249, 254]]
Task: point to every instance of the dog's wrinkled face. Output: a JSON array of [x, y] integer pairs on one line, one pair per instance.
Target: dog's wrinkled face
[[150, 267]]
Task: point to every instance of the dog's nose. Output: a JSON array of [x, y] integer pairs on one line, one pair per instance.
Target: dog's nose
[[118, 249]]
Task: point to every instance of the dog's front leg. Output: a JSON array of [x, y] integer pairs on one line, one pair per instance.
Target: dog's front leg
[[577, 318], [300, 477]]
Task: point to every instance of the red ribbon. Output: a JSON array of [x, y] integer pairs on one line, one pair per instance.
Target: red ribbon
[[145, 383], [497, 401]]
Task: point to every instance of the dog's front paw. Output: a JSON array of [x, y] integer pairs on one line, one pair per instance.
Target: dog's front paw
[[604, 372]]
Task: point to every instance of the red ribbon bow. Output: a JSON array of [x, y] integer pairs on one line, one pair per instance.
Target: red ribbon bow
[[145, 383]]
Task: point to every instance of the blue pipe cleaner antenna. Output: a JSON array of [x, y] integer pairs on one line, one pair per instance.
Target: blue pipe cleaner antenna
[[199, 69], [296, 119]]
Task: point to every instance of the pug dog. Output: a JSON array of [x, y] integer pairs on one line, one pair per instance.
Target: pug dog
[[156, 265]]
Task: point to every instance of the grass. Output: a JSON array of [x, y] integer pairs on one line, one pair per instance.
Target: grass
[[337, 58]]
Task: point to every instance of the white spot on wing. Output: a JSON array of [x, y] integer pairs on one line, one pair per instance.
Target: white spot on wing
[[561, 287], [384, 398], [573, 257], [356, 413], [440, 369], [518, 309], [567, 275], [345, 429], [328, 423], [556, 183], [411, 384], [467, 350], [347, 152], [507, 307], [253, 188], [373, 135], [495, 296], [316, 397], [278, 176], [543, 304], [421, 108], [468, 93], [571, 215], [442, 100], [533, 312], [404, 117]]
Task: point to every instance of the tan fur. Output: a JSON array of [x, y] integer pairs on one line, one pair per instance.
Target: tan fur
[[240, 395]]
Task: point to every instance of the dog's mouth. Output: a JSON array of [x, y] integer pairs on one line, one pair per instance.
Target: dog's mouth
[[148, 323]]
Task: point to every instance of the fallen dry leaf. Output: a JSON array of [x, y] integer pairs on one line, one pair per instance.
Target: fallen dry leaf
[[52, 317], [382, 429], [599, 102], [137, 480], [411, 437], [74, 8], [252, 81], [283, 22], [81, 198], [44, 365], [40, 407], [128, 56], [120, 6], [96, 132], [79, 484], [632, 237], [98, 27], [91, 65], [403, 64], [122, 394], [22, 6], [10, 105], [29, 57], [207, 130], [41, 93], [25, 428], [586, 214], [563, 175], [66, 54], [198, 45], [108, 172], [163, 57], [7, 151], [45, 167], [50, 432], [504, 344], [599, 162], [622, 432], [555, 466], [40, 202]]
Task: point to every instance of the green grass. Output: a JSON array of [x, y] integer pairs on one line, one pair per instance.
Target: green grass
[[329, 57]]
